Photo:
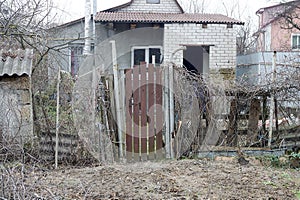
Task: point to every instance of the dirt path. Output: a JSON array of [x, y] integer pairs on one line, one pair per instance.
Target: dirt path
[[185, 179]]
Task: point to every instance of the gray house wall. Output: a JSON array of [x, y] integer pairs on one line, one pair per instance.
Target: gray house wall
[[71, 34], [125, 41], [256, 68], [65, 35], [141, 37]]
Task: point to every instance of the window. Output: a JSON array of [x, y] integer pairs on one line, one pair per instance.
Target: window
[[153, 1], [144, 54], [295, 41], [76, 51], [229, 25]]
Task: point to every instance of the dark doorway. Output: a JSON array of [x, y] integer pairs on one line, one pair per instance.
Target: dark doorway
[[196, 59]]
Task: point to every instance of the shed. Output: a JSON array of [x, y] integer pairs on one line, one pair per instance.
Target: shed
[[16, 113]]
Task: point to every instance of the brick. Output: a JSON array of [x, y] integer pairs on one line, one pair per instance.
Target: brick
[[166, 6]]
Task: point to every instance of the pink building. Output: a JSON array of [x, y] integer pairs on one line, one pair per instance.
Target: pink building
[[278, 30]]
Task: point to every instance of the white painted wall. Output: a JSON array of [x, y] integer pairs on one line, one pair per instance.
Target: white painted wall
[[165, 6]]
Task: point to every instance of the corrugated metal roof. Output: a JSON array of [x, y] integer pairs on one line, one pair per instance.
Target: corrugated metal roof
[[17, 62], [128, 17]]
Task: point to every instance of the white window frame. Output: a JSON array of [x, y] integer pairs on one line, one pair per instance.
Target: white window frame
[[147, 49], [298, 42]]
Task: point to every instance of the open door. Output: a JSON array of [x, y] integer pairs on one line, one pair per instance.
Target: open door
[[196, 59]]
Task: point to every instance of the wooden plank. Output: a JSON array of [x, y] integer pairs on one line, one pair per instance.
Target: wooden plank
[[264, 114], [117, 98], [276, 116], [122, 108], [253, 121], [151, 110], [143, 112], [159, 114], [166, 104], [128, 106], [232, 135], [136, 113], [111, 117]]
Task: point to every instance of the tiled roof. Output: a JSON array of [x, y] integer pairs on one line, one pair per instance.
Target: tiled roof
[[291, 3], [128, 17], [17, 62]]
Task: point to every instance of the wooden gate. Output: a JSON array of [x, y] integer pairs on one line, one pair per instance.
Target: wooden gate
[[144, 113]]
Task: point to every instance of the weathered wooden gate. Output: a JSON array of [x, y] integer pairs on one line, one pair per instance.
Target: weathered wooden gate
[[144, 113]]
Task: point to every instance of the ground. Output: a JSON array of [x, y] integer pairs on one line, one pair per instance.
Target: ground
[[183, 179]]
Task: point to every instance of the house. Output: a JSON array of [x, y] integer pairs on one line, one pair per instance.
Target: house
[[278, 29], [274, 69], [146, 33], [16, 112], [210, 39], [278, 32]]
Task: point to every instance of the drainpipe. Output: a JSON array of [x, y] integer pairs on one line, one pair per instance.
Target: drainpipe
[[87, 28], [93, 21]]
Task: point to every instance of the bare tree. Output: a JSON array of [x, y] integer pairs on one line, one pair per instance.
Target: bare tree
[[246, 39], [289, 12], [195, 6], [25, 23]]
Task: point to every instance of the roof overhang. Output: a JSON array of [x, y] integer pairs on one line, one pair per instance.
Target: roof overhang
[[130, 17]]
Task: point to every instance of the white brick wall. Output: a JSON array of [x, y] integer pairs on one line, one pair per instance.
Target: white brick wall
[[222, 53], [165, 6]]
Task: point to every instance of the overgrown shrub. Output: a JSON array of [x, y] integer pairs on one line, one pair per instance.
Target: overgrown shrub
[[288, 161]]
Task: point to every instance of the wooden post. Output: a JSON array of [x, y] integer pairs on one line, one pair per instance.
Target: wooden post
[[272, 101], [253, 120], [129, 115], [93, 109], [122, 106], [117, 97], [171, 99], [57, 119], [151, 113], [232, 139], [159, 114], [167, 113], [276, 115], [171, 103], [136, 113], [103, 122], [264, 114]]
